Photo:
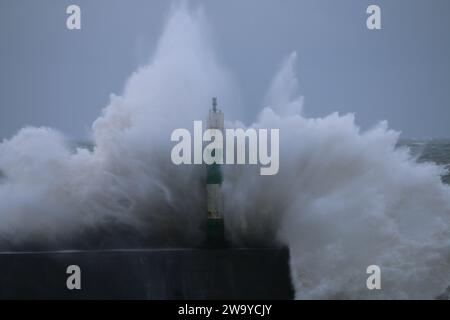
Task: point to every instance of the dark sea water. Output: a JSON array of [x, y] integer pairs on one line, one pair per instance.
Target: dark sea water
[[433, 150]]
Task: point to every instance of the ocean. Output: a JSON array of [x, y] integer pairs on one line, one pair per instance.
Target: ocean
[[431, 150]]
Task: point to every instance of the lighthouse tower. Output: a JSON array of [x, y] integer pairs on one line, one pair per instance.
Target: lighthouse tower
[[214, 179]]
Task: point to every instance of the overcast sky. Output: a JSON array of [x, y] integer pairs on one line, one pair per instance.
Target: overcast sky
[[51, 76]]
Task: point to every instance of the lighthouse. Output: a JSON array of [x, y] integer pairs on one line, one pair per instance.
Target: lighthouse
[[214, 179]]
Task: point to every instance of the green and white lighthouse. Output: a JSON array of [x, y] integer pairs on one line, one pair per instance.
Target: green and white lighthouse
[[214, 179]]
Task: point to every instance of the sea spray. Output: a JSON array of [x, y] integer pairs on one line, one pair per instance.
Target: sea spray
[[51, 194]]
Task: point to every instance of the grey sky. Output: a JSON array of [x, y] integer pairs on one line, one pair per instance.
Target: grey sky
[[54, 77]]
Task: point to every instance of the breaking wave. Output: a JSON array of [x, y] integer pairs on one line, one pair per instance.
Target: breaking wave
[[343, 199]]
